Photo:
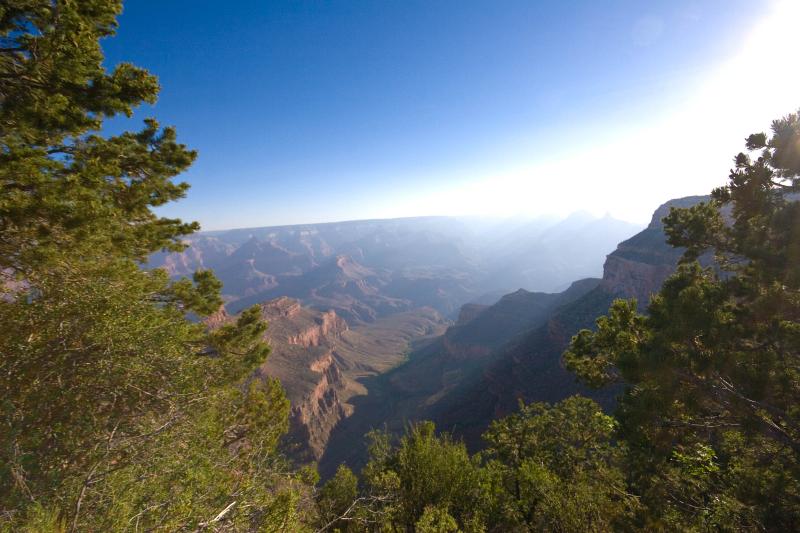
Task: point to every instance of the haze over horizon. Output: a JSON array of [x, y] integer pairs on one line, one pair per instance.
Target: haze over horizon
[[306, 112]]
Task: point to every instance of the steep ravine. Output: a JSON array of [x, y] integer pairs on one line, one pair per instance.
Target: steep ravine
[[320, 361]]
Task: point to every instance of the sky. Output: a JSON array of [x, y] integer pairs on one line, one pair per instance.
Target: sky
[[315, 111]]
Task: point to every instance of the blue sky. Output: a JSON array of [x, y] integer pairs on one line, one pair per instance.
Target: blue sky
[[331, 110]]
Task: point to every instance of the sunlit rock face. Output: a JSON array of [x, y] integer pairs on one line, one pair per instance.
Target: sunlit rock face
[[302, 345], [320, 360], [639, 265]]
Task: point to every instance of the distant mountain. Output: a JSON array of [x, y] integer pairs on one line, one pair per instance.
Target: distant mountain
[[354, 291], [550, 258], [370, 269]]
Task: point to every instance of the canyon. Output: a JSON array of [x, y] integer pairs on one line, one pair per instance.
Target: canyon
[[495, 356], [320, 361], [365, 270], [375, 324]]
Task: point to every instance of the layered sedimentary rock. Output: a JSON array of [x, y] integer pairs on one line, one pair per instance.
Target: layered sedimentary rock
[[302, 345], [320, 360], [371, 269]]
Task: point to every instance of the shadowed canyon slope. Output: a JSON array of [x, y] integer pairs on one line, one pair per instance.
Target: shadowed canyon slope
[[529, 366], [496, 355]]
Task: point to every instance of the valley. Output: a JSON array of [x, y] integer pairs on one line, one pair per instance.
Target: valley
[[322, 362], [391, 338], [374, 268]]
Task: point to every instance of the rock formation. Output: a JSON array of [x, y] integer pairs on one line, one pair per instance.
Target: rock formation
[[302, 345], [320, 361]]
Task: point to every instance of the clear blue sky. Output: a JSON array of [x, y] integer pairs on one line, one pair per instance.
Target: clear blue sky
[[307, 111]]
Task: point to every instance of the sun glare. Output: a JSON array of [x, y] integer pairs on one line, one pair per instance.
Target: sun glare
[[688, 153]]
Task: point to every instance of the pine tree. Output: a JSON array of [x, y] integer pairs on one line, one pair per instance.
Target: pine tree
[[710, 412], [117, 411]]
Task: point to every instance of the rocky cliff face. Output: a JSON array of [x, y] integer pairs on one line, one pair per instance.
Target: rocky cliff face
[[639, 265], [217, 319], [329, 326], [313, 418], [323, 327], [302, 357], [634, 279], [370, 269], [319, 360]]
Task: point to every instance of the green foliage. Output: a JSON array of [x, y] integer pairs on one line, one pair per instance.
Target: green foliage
[[617, 336], [436, 520], [337, 502], [710, 413], [117, 411], [63, 184], [556, 469], [545, 469], [423, 470]]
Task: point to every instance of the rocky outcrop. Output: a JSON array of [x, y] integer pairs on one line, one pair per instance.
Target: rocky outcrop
[[641, 264], [302, 342], [313, 418], [217, 318], [284, 308], [318, 358], [634, 279], [327, 326]]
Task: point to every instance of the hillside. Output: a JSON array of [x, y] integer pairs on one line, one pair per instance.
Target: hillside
[[438, 370]]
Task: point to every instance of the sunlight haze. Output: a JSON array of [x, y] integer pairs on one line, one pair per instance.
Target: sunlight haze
[[537, 119]]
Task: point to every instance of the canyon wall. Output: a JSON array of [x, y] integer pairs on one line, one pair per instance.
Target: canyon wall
[[302, 345]]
